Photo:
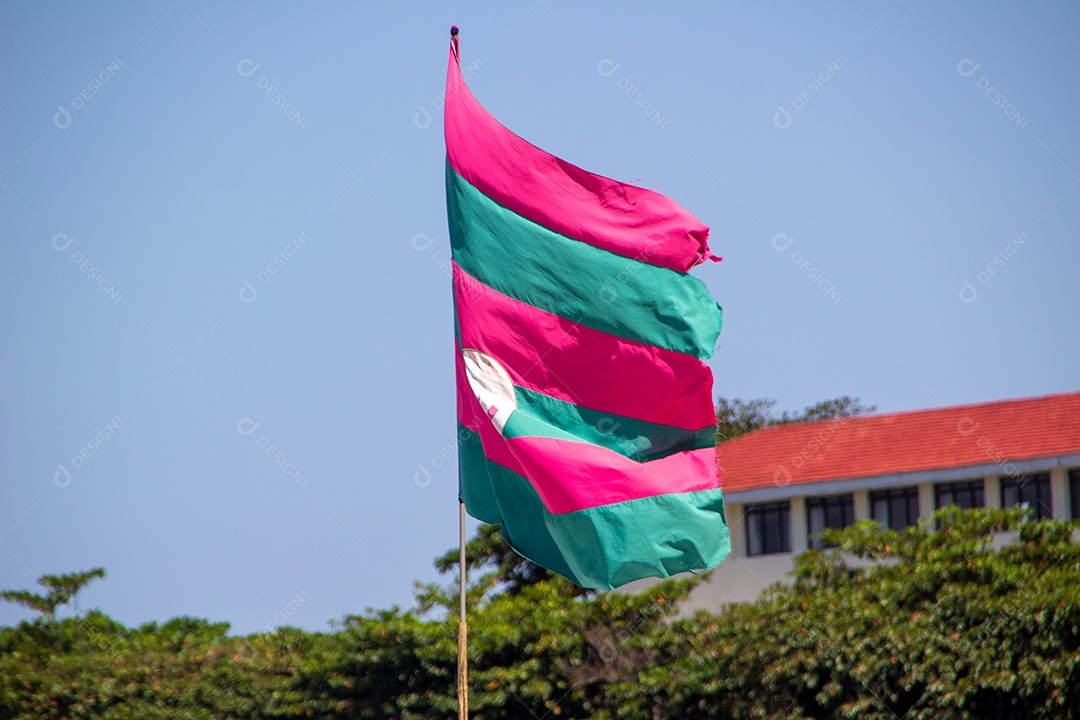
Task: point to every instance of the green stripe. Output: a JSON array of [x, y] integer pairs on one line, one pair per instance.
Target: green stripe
[[478, 477], [540, 415], [602, 547], [574, 280]]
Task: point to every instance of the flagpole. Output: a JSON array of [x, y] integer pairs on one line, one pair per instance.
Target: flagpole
[[463, 627], [462, 637]]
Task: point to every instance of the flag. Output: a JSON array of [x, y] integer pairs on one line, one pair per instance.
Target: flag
[[586, 423]]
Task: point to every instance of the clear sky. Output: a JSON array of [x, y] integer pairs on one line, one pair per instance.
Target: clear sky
[[225, 231]]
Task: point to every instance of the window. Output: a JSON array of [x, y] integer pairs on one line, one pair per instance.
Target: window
[[1074, 492], [767, 528], [1030, 491], [895, 509], [837, 512], [965, 495]]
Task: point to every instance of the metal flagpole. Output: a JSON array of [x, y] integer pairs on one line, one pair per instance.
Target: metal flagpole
[[462, 633], [463, 627]]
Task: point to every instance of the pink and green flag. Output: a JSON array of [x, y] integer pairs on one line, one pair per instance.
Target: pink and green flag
[[585, 406]]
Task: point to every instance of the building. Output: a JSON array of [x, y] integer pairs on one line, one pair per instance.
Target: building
[[784, 484]]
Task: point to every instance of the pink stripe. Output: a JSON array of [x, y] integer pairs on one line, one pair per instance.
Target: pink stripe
[[608, 214], [571, 476], [554, 356]]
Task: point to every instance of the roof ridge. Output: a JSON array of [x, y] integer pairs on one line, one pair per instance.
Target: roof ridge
[[919, 411], [990, 432]]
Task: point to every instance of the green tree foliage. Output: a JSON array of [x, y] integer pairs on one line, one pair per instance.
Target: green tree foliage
[[737, 417], [973, 614], [542, 651], [500, 566], [62, 589], [942, 624]]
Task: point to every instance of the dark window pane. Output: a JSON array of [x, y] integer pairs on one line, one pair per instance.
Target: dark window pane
[[1046, 507], [816, 519], [945, 496], [1030, 491], [782, 538], [880, 510], [1010, 495], [753, 534], [965, 495], [912, 516], [895, 509], [837, 511], [977, 499], [772, 531], [1074, 492], [767, 528]]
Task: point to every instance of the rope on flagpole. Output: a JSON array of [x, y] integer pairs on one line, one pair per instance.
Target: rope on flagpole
[[462, 636]]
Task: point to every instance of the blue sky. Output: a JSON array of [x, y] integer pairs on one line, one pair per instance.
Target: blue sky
[[227, 357]]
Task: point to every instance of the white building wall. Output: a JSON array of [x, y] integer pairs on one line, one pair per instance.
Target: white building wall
[[861, 502], [992, 491], [799, 529], [1059, 492], [734, 514], [741, 578], [926, 499]]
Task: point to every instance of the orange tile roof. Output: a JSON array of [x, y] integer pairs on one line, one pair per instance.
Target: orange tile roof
[[872, 445]]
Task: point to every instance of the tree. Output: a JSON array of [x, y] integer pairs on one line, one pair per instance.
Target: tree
[[71, 584], [500, 567], [945, 622], [62, 589], [738, 417]]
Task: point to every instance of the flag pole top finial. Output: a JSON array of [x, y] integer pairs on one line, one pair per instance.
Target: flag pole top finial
[[453, 31]]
